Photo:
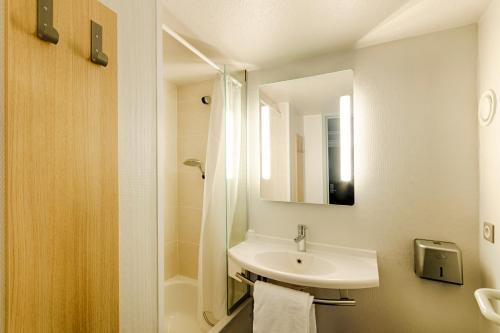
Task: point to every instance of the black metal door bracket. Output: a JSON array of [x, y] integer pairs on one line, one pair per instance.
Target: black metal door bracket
[[45, 22], [97, 55]]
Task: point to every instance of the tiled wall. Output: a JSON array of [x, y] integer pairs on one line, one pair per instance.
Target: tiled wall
[[171, 227], [187, 135], [193, 119]]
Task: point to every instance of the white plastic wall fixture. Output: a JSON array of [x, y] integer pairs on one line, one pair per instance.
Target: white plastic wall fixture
[[487, 107], [483, 297]]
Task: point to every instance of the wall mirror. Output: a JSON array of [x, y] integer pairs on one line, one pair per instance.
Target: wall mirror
[[306, 140]]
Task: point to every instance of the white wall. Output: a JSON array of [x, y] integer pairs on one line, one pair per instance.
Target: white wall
[[489, 153], [137, 78], [416, 175], [314, 158]]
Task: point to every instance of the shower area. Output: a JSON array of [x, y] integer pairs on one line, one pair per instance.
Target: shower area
[[201, 185]]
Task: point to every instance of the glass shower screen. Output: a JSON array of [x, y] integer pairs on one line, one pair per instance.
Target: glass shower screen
[[236, 175]]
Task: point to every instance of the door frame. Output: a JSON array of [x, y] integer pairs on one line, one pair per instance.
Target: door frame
[[160, 196]]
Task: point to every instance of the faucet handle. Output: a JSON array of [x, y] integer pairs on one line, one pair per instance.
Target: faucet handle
[[301, 237], [301, 228]]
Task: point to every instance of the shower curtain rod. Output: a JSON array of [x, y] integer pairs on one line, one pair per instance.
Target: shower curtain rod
[[193, 49]]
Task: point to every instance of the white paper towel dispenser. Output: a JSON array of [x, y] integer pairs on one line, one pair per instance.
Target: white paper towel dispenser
[[438, 260]]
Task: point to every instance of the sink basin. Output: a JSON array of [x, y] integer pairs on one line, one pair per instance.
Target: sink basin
[[295, 263], [322, 266]]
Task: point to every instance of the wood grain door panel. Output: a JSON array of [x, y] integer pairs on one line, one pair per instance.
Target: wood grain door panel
[[61, 172]]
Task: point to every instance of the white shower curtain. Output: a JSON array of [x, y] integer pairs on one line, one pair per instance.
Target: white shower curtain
[[220, 191]]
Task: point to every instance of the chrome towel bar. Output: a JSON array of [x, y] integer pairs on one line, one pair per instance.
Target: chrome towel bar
[[319, 301]]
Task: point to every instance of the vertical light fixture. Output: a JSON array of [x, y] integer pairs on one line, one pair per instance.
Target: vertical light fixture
[[345, 139], [265, 126]]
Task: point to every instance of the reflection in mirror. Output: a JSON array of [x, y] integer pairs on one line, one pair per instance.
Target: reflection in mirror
[[306, 140]]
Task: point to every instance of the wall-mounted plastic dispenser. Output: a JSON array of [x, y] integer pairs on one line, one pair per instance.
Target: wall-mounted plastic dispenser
[[440, 261]]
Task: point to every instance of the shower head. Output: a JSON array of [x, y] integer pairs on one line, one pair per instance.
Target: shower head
[[193, 162]]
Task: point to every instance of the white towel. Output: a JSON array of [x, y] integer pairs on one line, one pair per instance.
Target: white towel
[[282, 310]]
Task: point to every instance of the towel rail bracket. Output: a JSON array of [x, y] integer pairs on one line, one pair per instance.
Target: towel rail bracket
[[319, 301]]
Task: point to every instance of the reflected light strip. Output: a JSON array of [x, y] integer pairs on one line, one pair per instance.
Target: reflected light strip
[[230, 153], [345, 139], [265, 142]]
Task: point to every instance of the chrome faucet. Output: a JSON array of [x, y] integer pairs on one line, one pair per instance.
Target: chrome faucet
[[301, 238]]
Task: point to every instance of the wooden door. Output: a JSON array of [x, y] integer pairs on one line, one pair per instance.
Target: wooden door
[[61, 172]]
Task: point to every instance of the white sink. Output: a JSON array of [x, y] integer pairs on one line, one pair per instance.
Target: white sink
[[322, 266], [295, 263]]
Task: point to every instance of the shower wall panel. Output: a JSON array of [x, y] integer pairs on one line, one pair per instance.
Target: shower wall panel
[[170, 162], [192, 135]]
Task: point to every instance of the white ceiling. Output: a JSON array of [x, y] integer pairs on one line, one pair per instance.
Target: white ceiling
[[311, 95], [262, 33], [419, 17]]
